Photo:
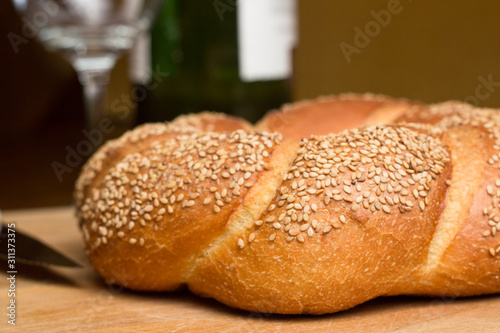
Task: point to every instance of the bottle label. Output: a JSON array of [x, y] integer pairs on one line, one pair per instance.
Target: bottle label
[[266, 36]]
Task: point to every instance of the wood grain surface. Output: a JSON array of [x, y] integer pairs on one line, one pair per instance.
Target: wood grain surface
[[77, 300]]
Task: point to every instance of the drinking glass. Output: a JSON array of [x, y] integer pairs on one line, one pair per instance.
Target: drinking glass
[[91, 35]]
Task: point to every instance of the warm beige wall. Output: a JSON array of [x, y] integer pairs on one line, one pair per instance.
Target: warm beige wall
[[430, 50]]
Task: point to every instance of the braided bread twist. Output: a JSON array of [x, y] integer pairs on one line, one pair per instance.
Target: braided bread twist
[[408, 203]]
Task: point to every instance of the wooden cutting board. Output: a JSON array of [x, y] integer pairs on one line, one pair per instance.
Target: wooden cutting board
[[76, 300]]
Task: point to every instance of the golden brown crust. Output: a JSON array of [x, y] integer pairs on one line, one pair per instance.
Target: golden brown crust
[[207, 121], [202, 177], [464, 256], [266, 224], [333, 114], [317, 249], [142, 137]]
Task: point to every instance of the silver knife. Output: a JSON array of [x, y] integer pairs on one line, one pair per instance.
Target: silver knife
[[16, 246]]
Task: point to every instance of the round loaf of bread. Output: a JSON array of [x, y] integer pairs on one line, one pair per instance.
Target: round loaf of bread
[[264, 223]]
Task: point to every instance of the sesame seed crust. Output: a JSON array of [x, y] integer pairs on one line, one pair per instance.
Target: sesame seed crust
[[128, 176], [441, 118], [172, 176], [142, 136], [337, 252], [363, 172]]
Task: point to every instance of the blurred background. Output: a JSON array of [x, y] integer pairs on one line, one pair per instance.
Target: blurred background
[[196, 59]]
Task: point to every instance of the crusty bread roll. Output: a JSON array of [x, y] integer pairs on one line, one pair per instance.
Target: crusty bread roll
[[262, 222]]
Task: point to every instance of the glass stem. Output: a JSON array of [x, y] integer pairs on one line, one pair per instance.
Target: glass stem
[[93, 73], [95, 86]]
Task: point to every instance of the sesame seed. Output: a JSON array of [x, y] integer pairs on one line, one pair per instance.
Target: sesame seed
[[241, 243], [103, 231], [251, 237], [294, 231], [269, 219], [489, 189]]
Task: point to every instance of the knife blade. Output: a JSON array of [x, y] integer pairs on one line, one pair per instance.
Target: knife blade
[[20, 247]]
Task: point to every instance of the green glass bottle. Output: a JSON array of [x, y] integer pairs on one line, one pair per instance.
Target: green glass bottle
[[220, 55]]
